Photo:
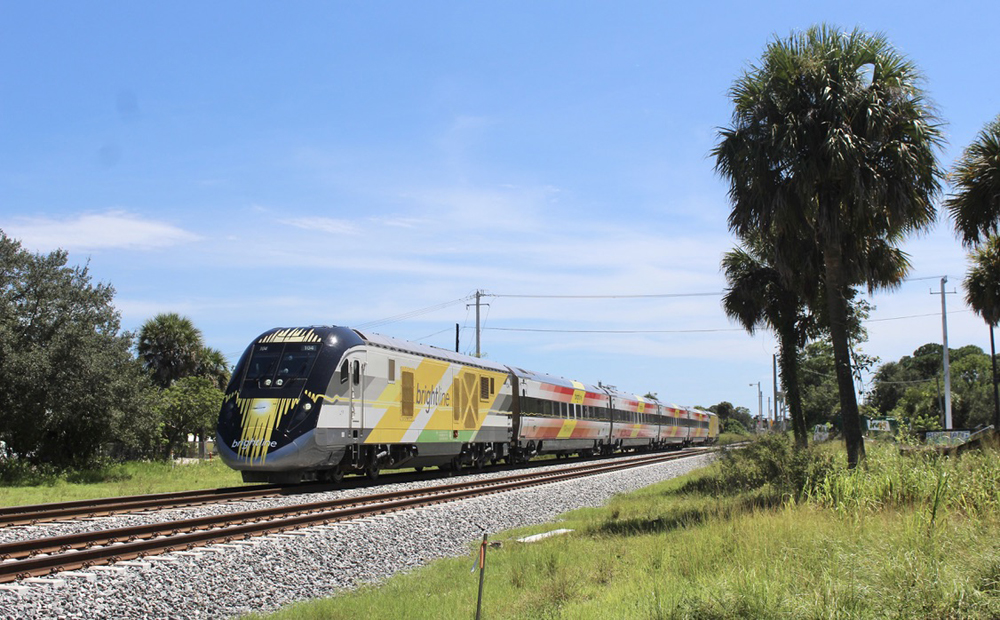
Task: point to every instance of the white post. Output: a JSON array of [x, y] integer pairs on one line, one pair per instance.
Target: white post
[[478, 295], [947, 369]]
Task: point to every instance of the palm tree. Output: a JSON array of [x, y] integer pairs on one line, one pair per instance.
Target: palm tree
[[757, 296], [170, 347], [833, 143], [975, 205], [212, 365], [982, 292]]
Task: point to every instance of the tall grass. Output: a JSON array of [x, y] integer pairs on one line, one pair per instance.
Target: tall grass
[[702, 548], [889, 479]]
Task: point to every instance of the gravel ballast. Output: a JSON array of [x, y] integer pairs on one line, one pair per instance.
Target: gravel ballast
[[319, 561]]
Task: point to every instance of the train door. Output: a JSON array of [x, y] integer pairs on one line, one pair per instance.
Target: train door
[[356, 366]]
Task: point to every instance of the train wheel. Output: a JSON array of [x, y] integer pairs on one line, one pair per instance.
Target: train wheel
[[418, 469], [372, 471], [335, 475]]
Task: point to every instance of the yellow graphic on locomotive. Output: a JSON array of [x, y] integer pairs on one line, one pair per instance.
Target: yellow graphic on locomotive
[[433, 401]]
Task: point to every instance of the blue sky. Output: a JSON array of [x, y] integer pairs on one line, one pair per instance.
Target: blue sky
[[252, 165]]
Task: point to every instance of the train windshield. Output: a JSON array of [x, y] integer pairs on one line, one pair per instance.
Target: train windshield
[[263, 362], [281, 363]]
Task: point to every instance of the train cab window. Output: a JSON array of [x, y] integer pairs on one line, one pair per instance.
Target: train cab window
[[296, 364], [263, 363], [357, 372], [345, 371], [276, 366]]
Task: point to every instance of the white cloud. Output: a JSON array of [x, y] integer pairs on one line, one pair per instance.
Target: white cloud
[[97, 231], [324, 224]]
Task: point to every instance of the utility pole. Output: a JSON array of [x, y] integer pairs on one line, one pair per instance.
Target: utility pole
[[760, 402], [774, 375], [947, 369], [479, 295]]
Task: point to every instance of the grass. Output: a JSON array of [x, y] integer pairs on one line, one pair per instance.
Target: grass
[[133, 478], [766, 533]]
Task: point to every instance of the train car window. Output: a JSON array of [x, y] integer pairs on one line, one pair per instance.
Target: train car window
[[406, 396], [345, 372], [357, 372], [391, 373], [262, 363]]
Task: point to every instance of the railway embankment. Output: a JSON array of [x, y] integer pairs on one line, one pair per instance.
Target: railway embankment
[[267, 572], [764, 533]]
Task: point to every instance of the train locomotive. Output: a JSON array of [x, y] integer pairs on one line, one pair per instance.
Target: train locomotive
[[316, 403]]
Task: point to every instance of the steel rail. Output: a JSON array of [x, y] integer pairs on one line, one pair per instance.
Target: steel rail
[[46, 556], [41, 513]]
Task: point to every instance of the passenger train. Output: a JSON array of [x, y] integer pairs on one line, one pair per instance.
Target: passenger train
[[316, 403]]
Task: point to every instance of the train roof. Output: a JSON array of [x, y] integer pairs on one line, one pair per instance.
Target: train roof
[[554, 380], [407, 346]]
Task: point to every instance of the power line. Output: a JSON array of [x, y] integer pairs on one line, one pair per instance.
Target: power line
[[422, 338], [914, 316], [653, 296], [411, 314], [613, 331]]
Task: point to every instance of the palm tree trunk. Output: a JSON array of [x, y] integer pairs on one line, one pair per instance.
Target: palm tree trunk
[[788, 360], [837, 308], [996, 390]]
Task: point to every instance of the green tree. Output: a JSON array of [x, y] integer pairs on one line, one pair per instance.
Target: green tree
[[69, 381], [757, 296], [833, 142], [982, 293], [170, 347], [172, 351], [820, 399], [190, 405], [727, 412], [920, 408], [975, 207], [212, 365], [975, 204], [911, 388]]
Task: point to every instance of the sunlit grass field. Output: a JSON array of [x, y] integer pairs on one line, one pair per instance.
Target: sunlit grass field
[[133, 478], [763, 534]]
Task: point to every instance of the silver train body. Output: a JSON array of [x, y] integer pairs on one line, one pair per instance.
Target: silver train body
[[316, 403]]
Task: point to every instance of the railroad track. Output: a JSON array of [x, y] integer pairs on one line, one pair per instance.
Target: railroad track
[[45, 556], [41, 513]]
